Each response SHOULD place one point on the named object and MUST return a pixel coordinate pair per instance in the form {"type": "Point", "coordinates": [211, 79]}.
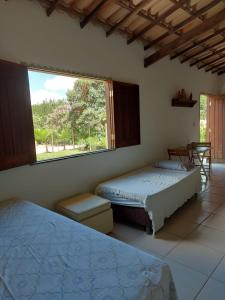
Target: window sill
{"type": "Point", "coordinates": [71, 156]}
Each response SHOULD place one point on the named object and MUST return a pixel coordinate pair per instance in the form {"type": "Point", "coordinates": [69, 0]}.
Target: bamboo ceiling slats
{"type": "Point", "coordinates": [191, 30]}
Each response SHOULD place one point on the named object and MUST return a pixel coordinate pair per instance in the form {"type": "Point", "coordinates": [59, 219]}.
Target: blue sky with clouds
{"type": "Point", "coordinates": [44, 86]}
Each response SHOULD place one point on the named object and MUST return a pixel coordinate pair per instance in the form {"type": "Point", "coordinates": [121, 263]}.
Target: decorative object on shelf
{"type": "Point", "coordinates": [182, 100]}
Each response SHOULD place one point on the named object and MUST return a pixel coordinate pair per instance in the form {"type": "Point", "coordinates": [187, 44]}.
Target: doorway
{"type": "Point", "coordinates": [212, 124]}
{"type": "Point", "coordinates": [203, 118]}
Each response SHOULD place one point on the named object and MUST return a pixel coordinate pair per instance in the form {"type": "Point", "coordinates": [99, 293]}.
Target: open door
{"type": "Point", "coordinates": [216, 125]}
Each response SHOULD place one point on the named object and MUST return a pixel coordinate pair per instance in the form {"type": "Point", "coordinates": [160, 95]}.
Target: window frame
{"type": "Point", "coordinates": [109, 109]}
{"type": "Point", "coordinates": [44, 161]}
{"type": "Point", "coordinates": [112, 142]}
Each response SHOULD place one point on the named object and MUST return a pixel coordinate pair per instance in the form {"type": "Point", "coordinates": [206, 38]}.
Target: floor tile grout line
{"type": "Point", "coordinates": [184, 238]}
{"type": "Point", "coordinates": [209, 277]}
{"type": "Point", "coordinates": [219, 280]}
{"type": "Point", "coordinates": [181, 239]}
{"type": "Point", "coordinates": [212, 249]}
{"type": "Point", "coordinates": [214, 193]}
{"type": "Point", "coordinates": [208, 226]}
{"type": "Point", "coordinates": [204, 196]}
{"type": "Point", "coordinates": [183, 264]}
{"type": "Point", "coordinates": [206, 246]}
{"type": "Point", "coordinates": [186, 266]}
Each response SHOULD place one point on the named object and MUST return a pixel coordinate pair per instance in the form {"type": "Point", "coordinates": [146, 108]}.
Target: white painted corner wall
{"type": "Point", "coordinates": [222, 84]}
{"type": "Point", "coordinates": [28, 35]}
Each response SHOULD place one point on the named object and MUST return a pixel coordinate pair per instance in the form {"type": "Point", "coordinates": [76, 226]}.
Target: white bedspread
{"type": "Point", "coordinates": [45, 256]}
{"type": "Point", "coordinates": [159, 191]}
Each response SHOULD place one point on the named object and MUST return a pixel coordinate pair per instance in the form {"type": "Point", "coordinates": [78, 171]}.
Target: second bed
{"type": "Point", "coordinates": [151, 194]}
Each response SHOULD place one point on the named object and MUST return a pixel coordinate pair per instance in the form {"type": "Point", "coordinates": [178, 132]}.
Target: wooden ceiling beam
{"type": "Point", "coordinates": [130, 14]}
{"type": "Point", "coordinates": [198, 43]}
{"type": "Point", "coordinates": [158, 19]}
{"type": "Point", "coordinates": [186, 37]}
{"type": "Point", "coordinates": [51, 7]}
{"type": "Point", "coordinates": [211, 62]}
{"type": "Point", "coordinates": [221, 72]}
{"type": "Point", "coordinates": [92, 14]}
{"type": "Point", "coordinates": [215, 66]}
{"type": "Point", "coordinates": [207, 48]}
{"type": "Point", "coordinates": [74, 13]}
{"type": "Point", "coordinates": [195, 15]}
{"type": "Point", "coordinates": [191, 10]}
{"type": "Point", "coordinates": [219, 69]}
{"type": "Point", "coordinates": [145, 15]}
{"type": "Point", "coordinates": [215, 52]}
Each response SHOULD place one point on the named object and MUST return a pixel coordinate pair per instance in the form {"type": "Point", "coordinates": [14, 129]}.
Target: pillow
{"type": "Point", "coordinates": [174, 165]}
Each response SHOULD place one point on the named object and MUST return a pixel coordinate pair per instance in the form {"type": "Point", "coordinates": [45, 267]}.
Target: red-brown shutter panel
{"type": "Point", "coordinates": [17, 144]}
{"type": "Point", "coordinates": [126, 114]}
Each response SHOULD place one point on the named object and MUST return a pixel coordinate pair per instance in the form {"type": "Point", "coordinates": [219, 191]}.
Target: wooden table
{"type": "Point", "coordinates": [200, 154]}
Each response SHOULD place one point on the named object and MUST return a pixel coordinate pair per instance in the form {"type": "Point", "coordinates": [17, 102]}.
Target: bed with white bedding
{"type": "Point", "coordinates": [45, 256]}
{"type": "Point", "coordinates": [159, 191]}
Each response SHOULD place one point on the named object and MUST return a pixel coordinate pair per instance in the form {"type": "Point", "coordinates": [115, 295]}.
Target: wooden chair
{"type": "Point", "coordinates": [181, 153]}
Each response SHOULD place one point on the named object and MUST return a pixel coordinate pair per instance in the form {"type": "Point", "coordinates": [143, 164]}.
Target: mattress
{"type": "Point", "coordinates": [159, 191]}
{"type": "Point", "coordinates": [46, 256]}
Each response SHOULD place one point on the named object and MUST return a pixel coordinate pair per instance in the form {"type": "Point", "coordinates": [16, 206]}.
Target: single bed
{"type": "Point", "coordinates": [44, 256]}
{"type": "Point", "coordinates": [149, 195]}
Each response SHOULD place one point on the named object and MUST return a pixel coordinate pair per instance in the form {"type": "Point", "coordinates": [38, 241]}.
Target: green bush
{"type": "Point", "coordinates": [203, 134]}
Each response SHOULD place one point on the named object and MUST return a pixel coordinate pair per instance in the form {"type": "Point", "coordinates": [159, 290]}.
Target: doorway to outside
{"type": "Point", "coordinates": [212, 124]}
{"type": "Point", "coordinates": [203, 118]}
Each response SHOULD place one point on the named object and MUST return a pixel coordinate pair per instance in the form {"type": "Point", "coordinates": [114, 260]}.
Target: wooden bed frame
{"type": "Point", "coordinates": [136, 215]}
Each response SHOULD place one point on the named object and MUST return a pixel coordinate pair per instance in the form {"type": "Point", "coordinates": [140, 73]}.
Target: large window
{"type": "Point", "coordinates": [69, 114]}
{"type": "Point", "coordinates": [44, 115]}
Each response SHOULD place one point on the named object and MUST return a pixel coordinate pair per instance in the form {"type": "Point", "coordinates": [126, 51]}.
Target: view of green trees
{"type": "Point", "coordinates": [203, 118]}
{"type": "Point", "coordinates": [72, 125]}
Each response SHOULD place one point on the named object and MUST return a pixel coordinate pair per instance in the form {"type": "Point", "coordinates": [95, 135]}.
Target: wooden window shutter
{"type": "Point", "coordinates": [126, 114]}
{"type": "Point", "coordinates": [17, 144]}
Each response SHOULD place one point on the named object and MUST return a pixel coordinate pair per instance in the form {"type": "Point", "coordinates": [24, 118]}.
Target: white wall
{"type": "Point", "coordinates": [27, 35]}
{"type": "Point", "coordinates": [222, 84]}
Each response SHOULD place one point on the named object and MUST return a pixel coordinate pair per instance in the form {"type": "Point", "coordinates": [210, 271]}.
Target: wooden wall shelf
{"type": "Point", "coordinates": [182, 103]}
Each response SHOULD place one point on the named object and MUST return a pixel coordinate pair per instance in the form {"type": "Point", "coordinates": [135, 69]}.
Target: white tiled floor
{"type": "Point", "coordinates": [192, 242]}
